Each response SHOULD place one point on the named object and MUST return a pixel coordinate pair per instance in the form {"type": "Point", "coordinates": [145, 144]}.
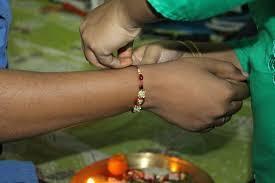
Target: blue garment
{"type": "Point", "coordinates": [11, 171]}
{"type": "Point", "coordinates": [17, 172]}
{"type": "Point", "coordinates": [5, 19]}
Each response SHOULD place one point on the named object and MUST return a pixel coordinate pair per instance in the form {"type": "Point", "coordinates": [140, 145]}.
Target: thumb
{"type": "Point", "coordinates": [109, 61]}
{"type": "Point", "coordinates": [124, 58]}
{"type": "Point", "coordinates": [138, 55]}
{"type": "Point", "coordinates": [147, 54]}
{"type": "Point", "coordinates": [125, 55]}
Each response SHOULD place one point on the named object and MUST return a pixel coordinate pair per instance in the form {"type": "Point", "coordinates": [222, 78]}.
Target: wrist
{"type": "Point", "coordinates": [130, 82]}
{"type": "Point", "coordinates": [150, 85]}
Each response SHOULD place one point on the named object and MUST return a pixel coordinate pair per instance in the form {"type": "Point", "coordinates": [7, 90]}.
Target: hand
{"type": "Point", "coordinates": [159, 52]}
{"type": "Point", "coordinates": [164, 51]}
{"type": "Point", "coordinates": [108, 29]}
{"type": "Point", "coordinates": [195, 95]}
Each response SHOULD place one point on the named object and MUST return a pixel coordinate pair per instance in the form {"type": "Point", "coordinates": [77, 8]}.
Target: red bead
{"type": "Point", "coordinates": [143, 100]}
{"type": "Point", "coordinates": [140, 76]}
{"type": "Point", "coordinates": [136, 101]}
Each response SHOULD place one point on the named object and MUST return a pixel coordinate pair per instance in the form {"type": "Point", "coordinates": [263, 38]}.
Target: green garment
{"type": "Point", "coordinates": [194, 9]}
{"type": "Point", "coordinates": [256, 57]}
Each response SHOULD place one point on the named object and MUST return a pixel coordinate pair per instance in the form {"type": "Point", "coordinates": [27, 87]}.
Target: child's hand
{"type": "Point", "coordinates": [105, 30]}
{"type": "Point", "coordinates": [165, 51]}
{"type": "Point", "coordinates": [159, 52]}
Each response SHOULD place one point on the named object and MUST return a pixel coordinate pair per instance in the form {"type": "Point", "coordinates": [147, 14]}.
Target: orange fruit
{"type": "Point", "coordinates": [117, 165]}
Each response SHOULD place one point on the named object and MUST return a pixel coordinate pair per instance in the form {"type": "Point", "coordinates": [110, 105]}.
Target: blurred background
{"type": "Point", "coordinates": [44, 37]}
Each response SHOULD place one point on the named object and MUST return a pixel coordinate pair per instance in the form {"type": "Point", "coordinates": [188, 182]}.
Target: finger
{"type": "Point", "coordinates": [148, 54]}
{"type": "Point", "coordinates": [225, 70]}
{"type": "Point", "coordinates": [90, 56]}
{"type": "Point", "coordinates": [234, 107]}
{"type": "Point", "coordinates": [221, 121]}
{"type": "Point", "coordinates": [98, 60]}
{"type": "Point", "coordinates": [109, 61]}
{"type": "Point", "coordinates": [207, 129]}
{"type": "Point", "coordinates": [138, 55]}
{"type": "Point", "coordinates": [112, 61]}
{"type": "Point", "coordinates": [240, 90]}
{"type": "Point", "coordinates": [125, 55]}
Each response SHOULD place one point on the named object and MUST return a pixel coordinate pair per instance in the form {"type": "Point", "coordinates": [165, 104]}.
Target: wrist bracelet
{"type": "Point", "coordinates": [141, 93]}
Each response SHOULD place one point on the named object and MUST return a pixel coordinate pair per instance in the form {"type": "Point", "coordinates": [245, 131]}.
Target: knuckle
{"type": "Point", "coordinates": [219, 110]}
{"type": "Point", "coordinates": [91, 48]}
{"type": "Point", "coordinates": [228, 91]}
{"type": "Point", "coordinates": [229, 67]}
{"type": "Point", "coordinates": [84, 37]}
{"type": "Point", "coordinates": [82, 26]}
{"type": "Point", "coordinates": [223, 110]}
{"type": "Point", "coordinates": [88, 57]}
{"type": "Point", "coordinates": [88, 41]}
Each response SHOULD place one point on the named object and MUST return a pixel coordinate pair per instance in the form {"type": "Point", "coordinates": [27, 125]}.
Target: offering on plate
{"type": "Point", "coordinates": [142, 168]}
{"type": "Point", "coordinates": [143, 176]}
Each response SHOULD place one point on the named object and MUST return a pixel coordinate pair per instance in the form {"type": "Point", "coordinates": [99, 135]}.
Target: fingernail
{"type": "Point", "coordinates": [245, 74]}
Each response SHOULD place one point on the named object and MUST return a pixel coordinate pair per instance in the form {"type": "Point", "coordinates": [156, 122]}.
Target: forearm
{"type": "Point", "coordinates": [36, 103]}
{"type": "Point", "coordinates": [139, 11]}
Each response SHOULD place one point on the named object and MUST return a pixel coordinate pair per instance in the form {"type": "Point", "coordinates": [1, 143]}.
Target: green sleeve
{"type": "Point", "coordinates": [190, 10]}
{"type": "Point", "coordinates": [243, 50]}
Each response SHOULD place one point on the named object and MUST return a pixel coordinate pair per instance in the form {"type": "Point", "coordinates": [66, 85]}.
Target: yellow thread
{"type": "Point", "coordinates": [195, 46]}
{"type": "Point", "coordinates": [187, 46]}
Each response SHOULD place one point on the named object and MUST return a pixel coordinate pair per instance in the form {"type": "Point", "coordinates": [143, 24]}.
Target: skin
{"type": "Point", "coordinates": [36, 103]}
{"type": "Point", "coordinates": [165, 51]}
{"type": "Point", "coordinates": [113, 27]}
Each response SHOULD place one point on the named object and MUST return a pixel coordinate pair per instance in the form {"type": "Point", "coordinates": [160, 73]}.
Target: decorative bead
{"type": "Point", "coordinates": [136, 109]}
{"type": "Point", "coordinates": [141, 94]}
{"type": "Point", "coordinates": [140, 101]}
